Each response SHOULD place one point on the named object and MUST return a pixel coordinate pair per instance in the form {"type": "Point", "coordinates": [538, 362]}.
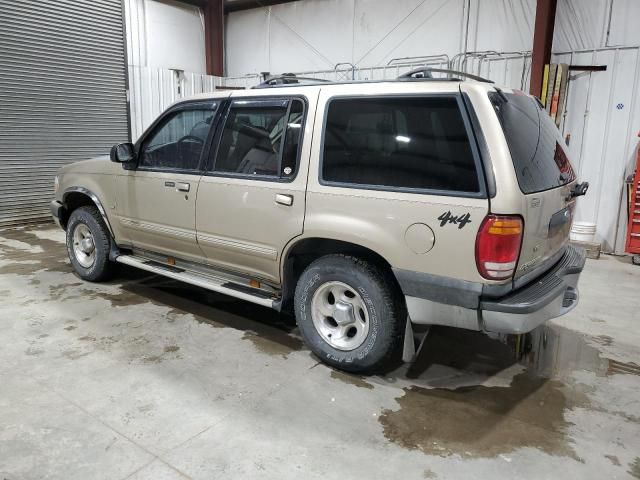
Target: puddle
{"type": "Point", "coordinates": [549, 351]}
{"type": "Point", "coordinates": [480, 421]}
{"type": "Point", "coordinates": [460, 412]}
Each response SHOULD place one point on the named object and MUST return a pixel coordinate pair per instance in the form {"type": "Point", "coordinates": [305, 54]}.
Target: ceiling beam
{"type": "Point", "coordinates": [237, 5]}
{"type": "Point", "coordinates": [196, 3]}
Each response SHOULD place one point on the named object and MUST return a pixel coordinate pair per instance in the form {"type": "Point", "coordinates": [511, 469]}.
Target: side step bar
{"type": "Point", "coordinates": [196, 279]}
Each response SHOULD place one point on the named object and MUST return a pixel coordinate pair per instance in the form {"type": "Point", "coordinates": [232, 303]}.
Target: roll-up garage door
{"type": "Point", "coordinates": [62, 95]}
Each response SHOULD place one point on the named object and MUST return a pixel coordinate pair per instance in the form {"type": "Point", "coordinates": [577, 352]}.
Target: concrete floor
{"type": "Point", "coordinates": [145, 378]}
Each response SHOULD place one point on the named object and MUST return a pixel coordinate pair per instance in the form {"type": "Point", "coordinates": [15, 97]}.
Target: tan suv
{"type": "Point", "coordinates": [367, 208]}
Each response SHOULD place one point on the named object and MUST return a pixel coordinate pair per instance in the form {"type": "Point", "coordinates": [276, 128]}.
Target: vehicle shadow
{"type": "Point", "coordinates": [462, 350]}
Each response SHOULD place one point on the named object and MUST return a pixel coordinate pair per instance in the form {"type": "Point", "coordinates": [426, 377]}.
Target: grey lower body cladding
{"type": "Point", "coordinates": [461, 304]}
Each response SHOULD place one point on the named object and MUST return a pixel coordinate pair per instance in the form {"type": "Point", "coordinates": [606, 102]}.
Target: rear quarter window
{"type": "Point", "coordinates": [536, 146]}
{"type": "Point", "coordinates": [399, 143]}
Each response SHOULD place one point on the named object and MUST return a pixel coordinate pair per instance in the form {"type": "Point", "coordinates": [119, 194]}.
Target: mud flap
{"type": "Point", "coordinates": [409, 351]}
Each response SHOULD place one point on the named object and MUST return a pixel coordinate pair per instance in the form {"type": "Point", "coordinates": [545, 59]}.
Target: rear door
{"type": "Point", "coordinates": [158, 199]}
{"type": "Point", "coordinates": [251, 201]}
{"type": "Point", "coordinates": [544, 175]}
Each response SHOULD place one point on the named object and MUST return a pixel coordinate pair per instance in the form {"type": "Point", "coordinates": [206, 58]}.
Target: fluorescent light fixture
{"type": "Point", "coordinates": [402, 138]}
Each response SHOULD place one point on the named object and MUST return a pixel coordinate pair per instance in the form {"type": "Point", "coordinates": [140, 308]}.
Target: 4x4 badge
{"type": "Point", "coordinates": [460, 220]}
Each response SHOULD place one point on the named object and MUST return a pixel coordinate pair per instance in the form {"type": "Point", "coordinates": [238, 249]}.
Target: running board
{"type": "Point", "coordinates": [192, 278]}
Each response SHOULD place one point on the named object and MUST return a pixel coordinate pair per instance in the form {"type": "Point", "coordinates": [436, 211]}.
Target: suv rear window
{"type": "Point", "coordinates": [537, 149]}
{"type": "Point", "coordinates": [399, 142]}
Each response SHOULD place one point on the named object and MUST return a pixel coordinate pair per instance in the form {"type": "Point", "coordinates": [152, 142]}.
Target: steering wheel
{"type": "Point", "coordinates": [191, 138]}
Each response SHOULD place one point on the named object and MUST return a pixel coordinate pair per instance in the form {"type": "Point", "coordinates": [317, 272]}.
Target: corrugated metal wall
{"type": "Point", "coordinates": [62, 95]}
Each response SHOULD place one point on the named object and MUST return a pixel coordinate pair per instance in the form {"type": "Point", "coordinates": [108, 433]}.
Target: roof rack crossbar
{"type": "Point", "coordinates": [289, 79]}
{"type": "Point", "coordinates": [426, 73]}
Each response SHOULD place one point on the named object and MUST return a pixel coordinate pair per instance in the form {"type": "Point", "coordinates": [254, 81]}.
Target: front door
{"type": "Point", "coordinates": [251, 201]}
{"type": "Point", "coordinates": [159, 198]}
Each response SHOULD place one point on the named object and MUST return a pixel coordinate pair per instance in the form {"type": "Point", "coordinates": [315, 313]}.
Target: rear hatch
{"type": "Point", "coordinates": [545, 176]}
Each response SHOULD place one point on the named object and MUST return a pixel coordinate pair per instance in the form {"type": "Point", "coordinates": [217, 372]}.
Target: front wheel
{"type": "Point", "coordinates": [350, 313]}
{"type": "Point", "coordinates": [88, 244]}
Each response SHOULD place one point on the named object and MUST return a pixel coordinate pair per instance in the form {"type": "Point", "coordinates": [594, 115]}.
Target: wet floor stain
{"type": "Point", "coordinates": [33, 351]}
{"type": "Point", "coordinates": [613, 459]}
{"type": "Point", "coordinates": [625, 368]}
{"type": "Point", "coordinates": [634, 468]}
{"type": "Point", "coordinates": [350, 379]}
{"type": "Point", "coordinates": [604, 340]}
{"type": "Point", "coordinates": [485, 421]}
{"type": "Point", "coordinates": [269, 331]}
{"type": "Point", "coordinates": [477, 420]}
{"type": "Point", "coordinates": [50, 257]}
{"type": "Point", "coordinates": [481, 421]}
{"type": "Point", "coordinates": [74, 353]}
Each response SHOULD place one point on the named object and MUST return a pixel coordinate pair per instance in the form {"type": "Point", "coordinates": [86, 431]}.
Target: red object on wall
{"type": "Point", "coordinates": [633, 229]}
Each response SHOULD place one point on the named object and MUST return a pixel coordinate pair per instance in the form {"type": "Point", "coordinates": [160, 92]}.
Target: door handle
{"type": "Point", "coordinates": [183, 187]}
{"type": "Point", "coordinates": [283, 199]}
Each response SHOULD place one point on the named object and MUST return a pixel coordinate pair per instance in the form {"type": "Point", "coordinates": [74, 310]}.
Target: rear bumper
{"type": "Point", "coordinates": [551, 295]}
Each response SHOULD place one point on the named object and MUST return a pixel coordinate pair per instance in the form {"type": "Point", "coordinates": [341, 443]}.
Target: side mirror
{"type": "Point", "coordinates": [123, 153]}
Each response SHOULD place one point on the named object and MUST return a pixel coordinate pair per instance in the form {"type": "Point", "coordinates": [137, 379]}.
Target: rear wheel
{"type": "Point", "coordinates": [88, 244]}
{"type": "Point", "coordinates": [349, 313]}
{"type": "Point", "coordinates": [636, 259]}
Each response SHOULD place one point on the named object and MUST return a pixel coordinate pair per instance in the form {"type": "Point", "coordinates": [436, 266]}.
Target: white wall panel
{"type": "Point", "coordinates": [625, 23]}
{"type": "Point", "coordinates": [135, 21]}
{"type": "Point", "coordinates": [175, 36]}
{"type": "Point", "coordinates": [603, 117]}
{"type": "Point", "coordinates": [317, 34]}
{"type": "Point", "coordinates": [165, 34]}
{"type": "Point", "coordinates": [247, 42]}
{"type": "Point", "coordinates": [404, 28]}
{"type": "Point", "coordinates": [502, 25]}
{"type": "Point", "coordinates": [310, 35]}
{"type": "Point", "coordinates": [580, 24]}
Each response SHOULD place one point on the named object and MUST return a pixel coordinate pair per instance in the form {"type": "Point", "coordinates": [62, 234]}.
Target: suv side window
{"type": "Point", "coordinates": [261, 138]}
{"type": "Point", "coordinates": [178, 141]}
{"type": "Point", "coordinates": [399, 143]}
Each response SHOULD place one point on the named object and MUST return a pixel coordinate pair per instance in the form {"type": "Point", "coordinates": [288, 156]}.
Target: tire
{"type": "Point", "coordinates": [86, 222]}
{"type": "Point", "coordinates": [359, 289]}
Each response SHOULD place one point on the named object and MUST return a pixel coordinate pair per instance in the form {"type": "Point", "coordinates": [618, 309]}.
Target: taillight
{"type": "Point", "coordinates": [498, 246]}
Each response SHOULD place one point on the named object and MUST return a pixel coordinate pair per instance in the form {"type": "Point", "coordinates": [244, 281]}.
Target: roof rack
{"type": "Point", "coordinates": [289, 79]}
{"type": "Point", "coordinates": [420, 73]}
